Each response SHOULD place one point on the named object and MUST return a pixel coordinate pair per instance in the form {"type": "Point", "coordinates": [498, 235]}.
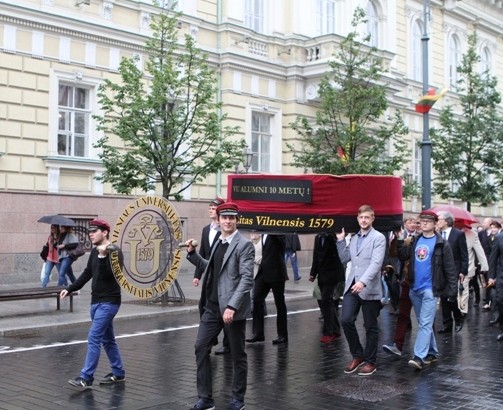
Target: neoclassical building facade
{"type": "Point", "coordinates": [269, 56]}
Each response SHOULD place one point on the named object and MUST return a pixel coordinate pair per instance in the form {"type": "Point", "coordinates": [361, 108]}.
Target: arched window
{"type": "Point", "coordinates": [373, 24]}
{"type": "Point", "coordinates": [417, 51]}
{"type": "Point", "coordinates": [454, 59]}
{"type": "Point", "coordinates": [485, 61]}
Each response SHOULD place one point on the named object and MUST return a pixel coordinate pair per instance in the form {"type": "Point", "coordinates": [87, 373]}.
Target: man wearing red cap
{"type": "Point", "coordinates": [227, 281]}
{"type": "Point", "coordinates": [431, 273]}
{"type": "Point", "coordinates": [209, 235]}
{"type": "Point", "coordinates": [105, 303]}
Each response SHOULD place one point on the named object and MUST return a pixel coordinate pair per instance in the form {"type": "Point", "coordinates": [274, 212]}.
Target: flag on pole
{"type": "Point", "coordinates": [426, 101]}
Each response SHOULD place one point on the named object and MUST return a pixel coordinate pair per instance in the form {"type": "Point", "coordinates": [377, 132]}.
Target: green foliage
{"type": "Point", "coordinates": [349, 134]}
{"type": "Point", "coordinates": [468, 144]}
{"type": "Point", "coordinates": [166, 117]}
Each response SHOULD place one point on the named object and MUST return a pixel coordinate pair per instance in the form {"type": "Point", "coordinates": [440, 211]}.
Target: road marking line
{"type": "Point", "coordinates": [123, 336]}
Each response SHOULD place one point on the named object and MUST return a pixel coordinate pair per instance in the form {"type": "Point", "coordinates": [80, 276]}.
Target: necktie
{"type": "Point", "coordinates": [444, 235]}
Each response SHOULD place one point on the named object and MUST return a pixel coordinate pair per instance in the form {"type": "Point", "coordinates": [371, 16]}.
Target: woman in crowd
{"type": "Point", "coordinates": [67, 241]}
{"type": "Point", "coordinates": [52, 257]}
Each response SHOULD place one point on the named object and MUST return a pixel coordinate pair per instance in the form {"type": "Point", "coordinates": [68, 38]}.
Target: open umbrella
{"type": "Point", "coordinates": [462, 216]}
{"type": "Point", "coordinates": [56, 220]}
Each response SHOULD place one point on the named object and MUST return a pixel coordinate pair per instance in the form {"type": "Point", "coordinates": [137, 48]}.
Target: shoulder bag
{"type": "Point", "coordinates": [77, 252]}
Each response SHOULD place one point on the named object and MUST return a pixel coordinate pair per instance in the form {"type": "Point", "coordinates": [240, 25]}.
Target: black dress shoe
{"type": "Point", "coordinates": [458, 328]}
{"type": "Point", "coordinates": [280, 341]}
{"type": "Point", "coordinates": [500, 337]}
{"type": "Point", "coordinates": [223, 350]}
{"type": "Point", "coordinates": [445, 329]}
{"type": "Point", "coordinates": [255, 339]}
{"type": "Point", "coordinates": [493, 322]}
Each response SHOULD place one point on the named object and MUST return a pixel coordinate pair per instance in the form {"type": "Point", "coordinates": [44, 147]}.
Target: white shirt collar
{"type": "Point", "coordinates": [229, 238]}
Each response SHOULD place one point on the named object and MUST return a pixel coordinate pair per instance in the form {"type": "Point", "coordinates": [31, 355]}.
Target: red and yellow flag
{"type": "Point", "coordinates": [426, 102]}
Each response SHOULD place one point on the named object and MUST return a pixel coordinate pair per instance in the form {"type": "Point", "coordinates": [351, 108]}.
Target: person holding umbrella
{"type": "Point", "coordinates": [67, 241]}
{"type": "Point", "coordinates": [52, 259]}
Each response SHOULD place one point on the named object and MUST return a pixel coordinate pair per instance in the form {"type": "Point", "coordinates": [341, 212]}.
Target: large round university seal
{"type": "Point", "coordinates": [148, 232]}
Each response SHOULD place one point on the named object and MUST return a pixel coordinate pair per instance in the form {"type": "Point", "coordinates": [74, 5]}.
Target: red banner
{"type": "Point", "coordinates": [308, 203]}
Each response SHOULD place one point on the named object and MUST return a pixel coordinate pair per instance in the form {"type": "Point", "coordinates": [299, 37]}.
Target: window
{"type": "Point", "coordinates": [261, 142]}
{"type": "Point", "coordinates": [373, 24]}
{"type": "Point", "coordinates": [73, 120]}
{"type": "Point", "coordinates": [454, 59]}
{"type": "Point", "coordinates": [417, 51]}
{"type": "Point", "coordinates": [325, 16]}
{"type": "Point", "coordinates": [485, 61]}
{"type": "Point", "coordinates": [254, 15]}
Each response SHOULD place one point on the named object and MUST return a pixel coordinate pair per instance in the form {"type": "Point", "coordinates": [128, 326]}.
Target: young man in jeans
{"type": "Point", "coordinates": [105, 303]}
{"type": "Point", "coordinates": [431, 274]}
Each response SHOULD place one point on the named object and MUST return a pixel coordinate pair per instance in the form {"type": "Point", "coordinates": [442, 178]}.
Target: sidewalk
{"type": "Point", "coordinates": [29, 316]}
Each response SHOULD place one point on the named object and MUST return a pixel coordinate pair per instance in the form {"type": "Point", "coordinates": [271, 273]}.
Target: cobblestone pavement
{"type": "Point", "coordinates": [159, 358]}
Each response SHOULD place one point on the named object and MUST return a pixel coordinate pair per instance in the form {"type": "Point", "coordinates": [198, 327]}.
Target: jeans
{"type": "Point", "coordinates": [102, 333]}
{"type": "Point", "coordinates": [351, 305]}
{"type": "Point", "coordinates": [65, 269]}
{"type": "Point", "coordinates": [48, 269]}
{"type": "Point", "coordinates": [293, 259]}
{"type": "Point", "coordinates": [425, 305]}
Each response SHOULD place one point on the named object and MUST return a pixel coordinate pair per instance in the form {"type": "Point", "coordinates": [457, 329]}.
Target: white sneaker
{"type": "Point", "coordinates": [391, 348]}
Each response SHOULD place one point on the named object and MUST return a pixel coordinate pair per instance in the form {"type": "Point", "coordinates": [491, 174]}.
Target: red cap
{"type": "Point", "coordinates": [228, 208]}
{"type": "Point", "coordinates": [99, 224]}
{"type": "Point", "coordinates": [217, 201]}
{"type": "Point", "coordinates": [428, 215]}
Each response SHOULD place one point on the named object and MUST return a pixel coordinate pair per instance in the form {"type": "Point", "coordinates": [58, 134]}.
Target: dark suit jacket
{"type": "Point", "coordinates": [292, 243]}
{"type": "Point", "coordinates": [457, 240]}
{"type": "Point", "coordinates": [486, 241]}
{"type": "Point", "coordinates": [235, 279]}
{"type": "Point", "coordinates": [273, 268]}
{"type": "Point", "coordinates": [327, 265]}
{"type": "Point", "coordinates": [205, 248]}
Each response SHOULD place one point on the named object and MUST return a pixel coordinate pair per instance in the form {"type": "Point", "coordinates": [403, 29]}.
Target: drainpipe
{"type": "Point", "coordinates": [218, 187]}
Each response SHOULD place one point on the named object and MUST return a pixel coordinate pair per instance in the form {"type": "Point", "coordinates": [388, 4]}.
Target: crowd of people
{"type": "Point", "coordinates": [427, 261]}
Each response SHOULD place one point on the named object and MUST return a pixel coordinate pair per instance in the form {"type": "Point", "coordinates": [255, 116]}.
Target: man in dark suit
{"type": "Point", "coordinates": [210, 234]}
{"type": "Point", "coordinates": [329, 270]}
{"type": "Point", "coordinates": [271, 275]}
{"type": "Point", "coordinates": [227, 281]}
{"type": "Point", "coordinates": [457, 241]}
{"type": "Point", "coordinates": [495, 278]}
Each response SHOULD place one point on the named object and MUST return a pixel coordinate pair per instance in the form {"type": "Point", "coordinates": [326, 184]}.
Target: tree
{"type": "Point", "coordinates": [467, 146]}
{"type": "Point", "coordinates": [166, 117]}
{"type": "Point", "coordinates": [348, 135]}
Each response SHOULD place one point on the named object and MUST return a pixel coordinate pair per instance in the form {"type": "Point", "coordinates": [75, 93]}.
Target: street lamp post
{"type": "Point", "coordinates": [426, 142]}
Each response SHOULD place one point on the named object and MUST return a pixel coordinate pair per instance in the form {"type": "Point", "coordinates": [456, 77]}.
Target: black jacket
{"type": "Point", "coordinates": [327, 265]}
{"type": "Point", "coordinates": [444, 275]}
{"type": "Point", "coordinates": [205, 247]}
{"type": "Point", "coordinates": [272, 269]}
{"type": "Point", "coordinates": [104, 286]}
{"type": "Point", "coordinates": [292, 243]}
{"type": "Point", "coordinates": [457, 241]}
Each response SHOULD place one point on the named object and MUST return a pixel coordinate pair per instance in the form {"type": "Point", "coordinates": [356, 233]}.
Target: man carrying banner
{"type": "Point", "coordinates": [227, 281]}
{"type": "Point", "coordinates": [363, 289]}
{"type": "Point", "coordinates": [105, 303]}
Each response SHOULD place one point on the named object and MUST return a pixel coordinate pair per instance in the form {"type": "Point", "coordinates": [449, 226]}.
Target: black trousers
{"type": "Point", "coordinates": [210, 326]}
{"type": "Point", "coordinates": [331, 323]}
{"type": "Point", "coordinates": [450, 310]}
{"type": "Point", "coordinates": [260, 291]}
